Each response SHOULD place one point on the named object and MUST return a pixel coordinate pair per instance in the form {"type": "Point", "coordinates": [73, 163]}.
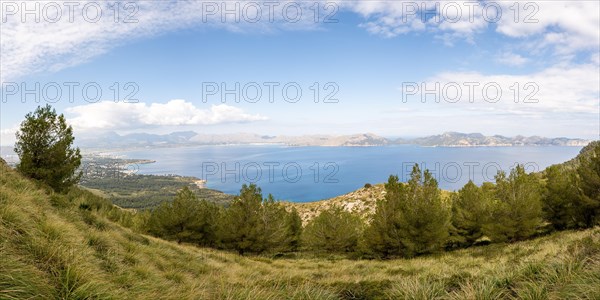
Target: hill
{"type": "Point", "coordinates": [457, 139]}
{"type": "Point", "coordinates": [112, 140]}
{"type": "Point", "coordinates": [73, 247]}
{"type": "Point", "coordinates": [584, 153]}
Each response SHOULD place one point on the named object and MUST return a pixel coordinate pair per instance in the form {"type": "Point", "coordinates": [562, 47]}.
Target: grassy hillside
{"type": "Point", "coordinates": [52, 246]}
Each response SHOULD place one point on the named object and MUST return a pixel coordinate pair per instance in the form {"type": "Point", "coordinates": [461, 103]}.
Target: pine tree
{"type": "Point", "coordinates": [428, 217]}
{"type": "Point", "coordinates": [470, 209]}
{"type": "Point", "coordinates": [333, 230]}
{"type": "Point", "coordinates": [384, 237]}
{"type": "Point", "coordinates": [560, 201]}
{"type": "Point", "coordinates": [411, 220]}
{"type": "Point", "coordinates": [294, 225]}
{"type": "Point", "coordinates": [589, 178]}
{"type": "Point", "coordinates": [240, 230]}
{"type": "Point", "coordinates": [517, 209]}
{"type": "Point", "coordinates": [256, 225]}
{"type": "Point", "coordinates": [44, 145]}
{"type": "Point", "coordinates": [186, 219]}
{"type": "Point", "coordinates": [276, 233]}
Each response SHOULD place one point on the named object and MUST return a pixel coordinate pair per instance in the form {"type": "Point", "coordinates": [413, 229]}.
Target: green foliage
{"type": "Point", "coordinates": [571, 195]}
{"type": "Point", "coordinates": [470, 212]}
{"type": "Point", "coordinates": [333, 230]}
{"type": "Point", "coordinates": [253, 224]}
{"type": "Point", "coordinates": [368, 185]}
{"type": "Point", "coordinates": [294, 223]}
{"type": "Point", "coordinates": [50, 252]}
{"type": "Point", "coordinates": [44, 145]}
{"type": "Point", "coordinates": [589, 175]}
{"type": "Point", "coordinates": [561, 199]}
{"type": "Point", "coordinates": [186, 219]}
{"type": "Point", "coordinates": [149, 191]}
{"type": "Point", "coordinates": [517, 210]}
{"type": "Point", "coordinates": [411, 220]}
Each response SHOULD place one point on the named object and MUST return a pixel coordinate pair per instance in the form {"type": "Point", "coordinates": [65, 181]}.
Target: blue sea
{"type": "Point", "coordinates": [303, 174]}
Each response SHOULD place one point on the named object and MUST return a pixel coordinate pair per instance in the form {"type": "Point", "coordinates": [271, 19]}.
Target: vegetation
{"type": "Point", "coordinates": [411, 220]}
{"type": "Point", "coordinates": [256, 225]}
{"type": "Point", "coordinates": [589, 179]}
{"type": "Point", "coordinates": [44, 145]}
{"type": "Point", "coordinates": [59, 241]}
{"type": "Point", "coordinates": [561, 204]}
{"type": "Point", "coordinates": [186, 220]}
{"type": "Point", "coordinates": [517, 209]}
{"type": "Point", "coordinates": [571, 197]}
{"type": "Point", "coordinates": [334, 230]}
{"type": "Point", "coordinates": [61, 246]}
{"type": "Point", "coordinates": [149, 191]}
{"type": "Point", "coordinates": [470, 212]}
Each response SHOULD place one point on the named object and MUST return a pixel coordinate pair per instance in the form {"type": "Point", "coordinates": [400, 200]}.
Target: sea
{"type": "Point", "coordinates": [304, 174]}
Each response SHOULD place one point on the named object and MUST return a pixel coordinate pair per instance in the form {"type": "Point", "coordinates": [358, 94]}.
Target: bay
{"type": "Point", "coordinates": [303, 174]}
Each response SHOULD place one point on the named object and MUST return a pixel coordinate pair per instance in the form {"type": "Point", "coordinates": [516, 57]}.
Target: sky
{"type": "Point", "coordinates": [393, 68]}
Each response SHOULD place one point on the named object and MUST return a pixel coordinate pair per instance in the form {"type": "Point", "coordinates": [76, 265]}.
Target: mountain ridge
{"type": "Point", "coordinates": [191, 138]}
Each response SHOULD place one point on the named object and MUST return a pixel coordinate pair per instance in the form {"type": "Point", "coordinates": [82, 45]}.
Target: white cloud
{"type": "Point", "coordinates": [7, 136]}
{"type": "Point", "coordinates": [29, 47]}
{"type": "Point", "coordinates": [511, 59]}
{"type": "Point", "coordinates": [566, 26]}
{"type": "Point", "coordinates": [114, 116]}
{"type": "Point", "coordinates": [566, 90]}
{"type": "Point", "coordinates": [41, 46]}
{"type": "Point", "coordinates": [393, 18]}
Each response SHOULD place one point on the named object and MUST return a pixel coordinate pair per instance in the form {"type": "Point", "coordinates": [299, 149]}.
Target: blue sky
{"type": "Point", "coordinates": [367, 56]}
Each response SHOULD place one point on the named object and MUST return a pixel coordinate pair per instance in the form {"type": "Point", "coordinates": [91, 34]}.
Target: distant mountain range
{"type": "Point", "coordinates": [186, 138]}
{"type": "Point", "coordinates": [457, 139]}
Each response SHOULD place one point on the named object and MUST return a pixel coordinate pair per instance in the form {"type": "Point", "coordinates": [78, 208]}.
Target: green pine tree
{"type": "Point", "coordinates": [411, 220]}
{"type": "Point", "coordinates": [294, 225]}
{"type": "Point", "coordinates": [589, 178]}
{"type": "Point", "coordinates": [517, 210]}
{"type": "Point", "coordinates": [45, 148]}
{"type": "Point", "coordinates": [560, 199]}
{"type": "Point", "coordinates": [470, 209]}
{"type": "Point", "coordinates": [253, 224]}
{"type": "Point", "coordinates": [186, 219]}
{"type": "Point", "coordinates": [333, 230]}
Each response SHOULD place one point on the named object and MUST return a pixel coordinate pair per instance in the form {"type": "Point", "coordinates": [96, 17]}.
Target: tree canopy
{"type": "Point", "coordinates": [45, 148]}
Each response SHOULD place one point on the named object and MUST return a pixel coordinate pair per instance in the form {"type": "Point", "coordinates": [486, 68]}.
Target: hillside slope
{"type": "Point", "coordinates": [61, 247]}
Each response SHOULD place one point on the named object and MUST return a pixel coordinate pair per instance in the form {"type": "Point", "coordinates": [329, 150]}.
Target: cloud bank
{"type": "Point", "coordinates": [127, 116]}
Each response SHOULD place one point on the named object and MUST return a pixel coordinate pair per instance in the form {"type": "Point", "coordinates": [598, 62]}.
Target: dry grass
{"type": "Point", "coordinates": [49, 249]}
